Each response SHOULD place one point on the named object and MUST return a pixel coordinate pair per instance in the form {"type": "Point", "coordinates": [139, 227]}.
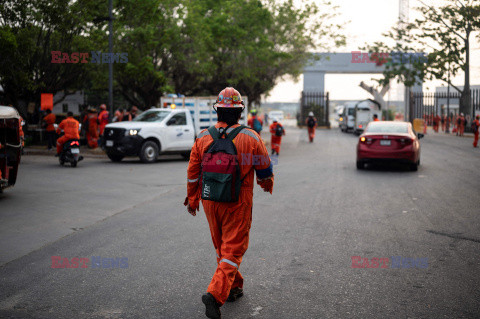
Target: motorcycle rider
{"type": "Point", "coordinates": [70, 127]}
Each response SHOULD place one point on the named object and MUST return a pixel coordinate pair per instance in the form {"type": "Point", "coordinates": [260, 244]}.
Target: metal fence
{"type": "Point", "coordinates": [318, 103]}
{"type": "Point", "coordinates": [428, 105]}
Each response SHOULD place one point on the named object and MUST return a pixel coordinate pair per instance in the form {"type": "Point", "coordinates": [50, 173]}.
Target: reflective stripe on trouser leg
{"type": "Point", "coordinates": [224, 260]}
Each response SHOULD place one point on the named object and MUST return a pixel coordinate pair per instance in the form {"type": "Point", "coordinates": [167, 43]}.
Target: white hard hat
{"type": "Point", "coordinates": [310, 114]}
{"type": "Point", "coordinates": [461, 114]}
{"type": "Point", "coordinates": [274, 119]}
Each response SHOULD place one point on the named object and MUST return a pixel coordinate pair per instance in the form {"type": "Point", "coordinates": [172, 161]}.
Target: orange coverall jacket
{"type": "Point", "coordinates": [276, 141]}
{"type": "Point", "coordinates": [50, 119]}
{"type": "Point", "coordinates": [70, 127]}
{"type": "Point", "coordinates": [230, 222]}
{"type": "Point", "coordinates": [103, 121]}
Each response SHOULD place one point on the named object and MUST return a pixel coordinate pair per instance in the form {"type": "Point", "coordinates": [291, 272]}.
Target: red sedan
{"type": "Point", "coordinates": [384, 141]}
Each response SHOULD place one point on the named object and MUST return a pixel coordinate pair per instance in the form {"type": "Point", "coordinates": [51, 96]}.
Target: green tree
{"type": "Point", "coordinates": [444, 32]}
{"type": "Point", "coordinates": [29, 31]}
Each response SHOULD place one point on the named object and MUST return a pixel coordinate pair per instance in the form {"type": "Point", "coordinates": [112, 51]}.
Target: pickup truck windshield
{"type": "Point", "coordinates": [152, 116]}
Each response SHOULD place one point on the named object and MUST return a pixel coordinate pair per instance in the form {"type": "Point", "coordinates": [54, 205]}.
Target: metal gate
{"type": "Point", "coordinates": [428, 105]}
{"type": "Point", "coordinates": [318, 103]}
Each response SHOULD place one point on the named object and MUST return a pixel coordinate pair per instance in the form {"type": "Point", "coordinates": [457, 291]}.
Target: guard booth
{"type": "Point", "coordinates": [318, 103]}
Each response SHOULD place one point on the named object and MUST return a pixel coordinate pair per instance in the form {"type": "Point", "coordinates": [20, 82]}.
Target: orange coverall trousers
{"type": "Point", "coordinates": [230, 245]}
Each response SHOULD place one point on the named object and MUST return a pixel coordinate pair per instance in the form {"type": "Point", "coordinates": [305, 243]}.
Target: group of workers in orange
{"type": "Point", "coordinates": [93, 124]}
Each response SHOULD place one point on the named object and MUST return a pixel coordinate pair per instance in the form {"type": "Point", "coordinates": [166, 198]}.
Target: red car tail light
{"type": "Point", "coordinates": [362, 139]}
{"type": "Point", "coordinates": [406, 141]}
{"type": "Point", "coordinates": [365, 140]}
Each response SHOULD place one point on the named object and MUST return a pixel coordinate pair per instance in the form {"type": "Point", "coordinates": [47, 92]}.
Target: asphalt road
{"type": "Point", "coordinates": [299, 263]}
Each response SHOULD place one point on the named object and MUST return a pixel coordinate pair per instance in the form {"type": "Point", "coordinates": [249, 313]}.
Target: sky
{"type": "Point", "coordinates": [368, 20]}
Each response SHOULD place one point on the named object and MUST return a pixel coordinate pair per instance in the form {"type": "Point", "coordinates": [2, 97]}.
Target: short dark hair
{"type": "Point", "coordinates": [70, 113]}
{"type": "Point", "coordinates": [49, 111]}
{"type": "Point", "coordinates": [229, 115]}
{"type": "Point", "coordinates": [375, 116]}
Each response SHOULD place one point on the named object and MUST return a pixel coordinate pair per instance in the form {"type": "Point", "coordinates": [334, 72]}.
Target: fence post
{"type": "Point", "coordinates": [327, 113]}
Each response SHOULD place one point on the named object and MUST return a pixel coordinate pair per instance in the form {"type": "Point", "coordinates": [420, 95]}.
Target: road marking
{"type": "Point", "coordinates": [256, 311]}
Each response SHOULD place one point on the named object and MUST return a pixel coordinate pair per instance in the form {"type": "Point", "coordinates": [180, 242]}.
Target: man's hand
{"type": "Point", "coordinates": [191, 210]}
{"type": "Point", "coordinates": [266, 184]}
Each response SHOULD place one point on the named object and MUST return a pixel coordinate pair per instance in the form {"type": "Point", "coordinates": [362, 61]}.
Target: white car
{"type": "Point", "coordinates": [278, 114]}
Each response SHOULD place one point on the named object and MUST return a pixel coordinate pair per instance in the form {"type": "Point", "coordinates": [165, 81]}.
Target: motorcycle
{"type": "Point", "coordinates": [71, 153]}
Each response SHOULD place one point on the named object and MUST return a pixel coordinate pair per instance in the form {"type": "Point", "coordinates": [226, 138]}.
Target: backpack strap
{"type": "Point", "coordinates": [235, 132]}
{"type": "Point", "coordinates": [214, 133]}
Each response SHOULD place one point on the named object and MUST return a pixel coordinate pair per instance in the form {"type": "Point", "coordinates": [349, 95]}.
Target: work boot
{"type": "Point", "coordinates": [212, 308]}
{"type": "Point", "coordinates": [235, 293]}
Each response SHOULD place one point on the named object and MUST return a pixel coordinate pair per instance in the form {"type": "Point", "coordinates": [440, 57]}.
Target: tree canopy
{"type": "Point", "coordinates": [444, 33]}
{"type": "Point", "coordinates": [192, 47]}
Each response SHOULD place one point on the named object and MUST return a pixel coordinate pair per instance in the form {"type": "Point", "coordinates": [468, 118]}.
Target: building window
{"type": "Point", "coordinates": [65, 108]}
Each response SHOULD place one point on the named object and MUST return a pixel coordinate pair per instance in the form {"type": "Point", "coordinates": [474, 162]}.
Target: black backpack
{"type": "Point", "coordinates": [221, 178]}
{"type": "Point", "coordinates": [311, 122]}
{"type": "Point", "coordinates": [474, 127]}
{"type": "Point", "coordinates": [279, 130]}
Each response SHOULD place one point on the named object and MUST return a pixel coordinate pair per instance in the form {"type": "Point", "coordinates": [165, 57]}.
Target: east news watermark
{"type": "Point", "coordinates": [381, 58]}
{"type": "Point", "coordinates": [97, 262]}
{"type": "Point", "coordinates": [84, 57]}
{"type": "Point", "coordinates": [389, 262]}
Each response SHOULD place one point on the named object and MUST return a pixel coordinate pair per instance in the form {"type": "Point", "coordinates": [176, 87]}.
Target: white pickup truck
{"type": "Point", "coordinates": [171, 129]}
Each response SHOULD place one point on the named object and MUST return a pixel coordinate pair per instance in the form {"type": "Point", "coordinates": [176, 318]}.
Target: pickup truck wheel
{"type": "Point", "coordinates": [149, 152]}
{"type": "Point", "coordinates": [115, 157]}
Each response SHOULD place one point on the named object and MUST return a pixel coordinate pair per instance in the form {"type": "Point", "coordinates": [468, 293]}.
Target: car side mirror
{"type": "Point", "coordinates": [420, 135]}
{"type": "Point", "coordinates": [171, 121]}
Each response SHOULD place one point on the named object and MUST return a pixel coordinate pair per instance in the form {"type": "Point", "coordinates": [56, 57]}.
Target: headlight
{"type": "Point", "coordinates": [132, 132]}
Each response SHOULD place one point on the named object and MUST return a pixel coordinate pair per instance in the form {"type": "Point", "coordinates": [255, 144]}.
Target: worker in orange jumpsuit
{"type": "Point", "coordinates": [461, 124]}
{"type": "Point", "coordinates": [436, 123]}
{"type": "Point", "coordinates": [49, 121]}
{"type": "Point", "coordinates": [375, 118]}
{"type": "Point", "coordinates": [102, 118]}
{"type": "Point", "coordinates": [70, 127]}
{"type": "Point", "coordinates": [276, 140]}
{"type": "Point", "coordinates": [476, 129]}
{"type": "Point", "coordinates": [229, 221]}
{"type": "Point", "coordinates": [255, 122]}
{"type": "Point", "coordinates": [91, 123]}
{"type": "Point", "coordinates": [311, 123]}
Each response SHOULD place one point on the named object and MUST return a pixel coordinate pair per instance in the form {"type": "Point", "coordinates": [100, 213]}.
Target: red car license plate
{"type": "Point", "coordinates": [385, 142]}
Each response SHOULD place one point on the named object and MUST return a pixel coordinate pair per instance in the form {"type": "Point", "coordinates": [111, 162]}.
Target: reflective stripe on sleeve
{"type": "Point", "coordinates": [229, 262]}
{"type": "Point", "coordinates": [202, 134]}
{"type": "Point", "coordinates": [192, 180]}
{"type": "Point", "coordinates": [248, 132]}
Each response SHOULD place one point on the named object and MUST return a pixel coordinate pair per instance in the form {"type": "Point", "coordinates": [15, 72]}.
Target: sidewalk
{"type": "Point", "coordinates": [84, 151]}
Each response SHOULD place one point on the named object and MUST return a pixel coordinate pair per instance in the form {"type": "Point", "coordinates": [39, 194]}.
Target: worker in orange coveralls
{"type": "Point", "coordinates": [91, 123]}
{"type": "Point", "coordinates": [436, 122]}
{"type": "Point", "coordinates": [70, 127]}
{"type": "Point", "coordinates": [277, 131]}
{"type": "Point", "coordinates": [229, 221]}
{"type": "Point", "coordinates": [476, 129]}
{"type": "Point", "coordinates": [102, 119]}
{"type": "Point", "coordinates": [311, 122]}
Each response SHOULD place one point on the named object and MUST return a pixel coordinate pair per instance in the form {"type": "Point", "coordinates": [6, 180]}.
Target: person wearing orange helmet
{"type": "Point", "coordinates": [277, 131]}
{"type": "Point", "coordinates": [221, 173]}
{"type": "Point", "coordinates": [476, 129]}
{"type": "Point", "coordinates": [70, 127]}
{"type": "Point", "coordinates": [102, 119]}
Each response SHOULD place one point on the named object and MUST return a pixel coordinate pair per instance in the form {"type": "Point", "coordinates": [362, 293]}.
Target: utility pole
{"type": "Point", "coordinates": [448, 101]}
{"type": "Point", "coordinates": [110, 51]}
